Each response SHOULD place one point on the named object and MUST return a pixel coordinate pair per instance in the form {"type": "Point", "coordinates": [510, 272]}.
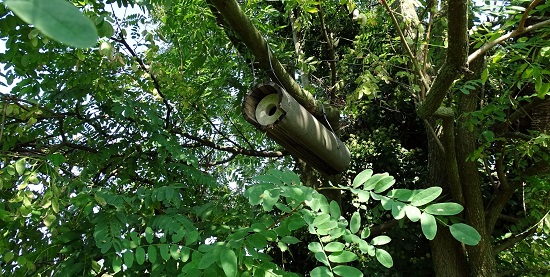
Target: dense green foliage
{"type": "Point", "coordinates": [131, 157]}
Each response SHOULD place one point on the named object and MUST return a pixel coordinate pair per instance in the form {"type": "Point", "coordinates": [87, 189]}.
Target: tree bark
{"type": "Point", "coordinates": [447, 253]}
{"type": "Point", "coordinates": [480, 257]}
{"type": "Point", "coordinates": [455, 61]}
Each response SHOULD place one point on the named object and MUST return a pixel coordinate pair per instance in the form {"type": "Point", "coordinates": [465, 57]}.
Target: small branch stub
{"type": "Point", "coordinates": [271, 109]}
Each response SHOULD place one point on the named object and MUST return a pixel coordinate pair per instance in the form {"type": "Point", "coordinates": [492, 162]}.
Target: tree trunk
{"type": "Point", "coordinates": [447, 253]}
{"type": "Point", "coordinates": [480, 257]}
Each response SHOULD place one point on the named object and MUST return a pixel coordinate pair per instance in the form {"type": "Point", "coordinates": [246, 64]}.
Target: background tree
{"type": "Point", "coordinates": [132, 156]}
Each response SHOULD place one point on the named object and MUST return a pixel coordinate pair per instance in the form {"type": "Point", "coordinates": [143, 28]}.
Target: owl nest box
{"type": "Point", "coordinates": [271, 109]}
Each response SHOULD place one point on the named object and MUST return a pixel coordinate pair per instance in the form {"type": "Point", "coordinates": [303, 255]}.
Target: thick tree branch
{"type": "Point", "coordinates": [479, 262]}
{"type": "Point", "coordinates": [512, 241]}
{"type": "Point", "coordinates": [494, 210]}
{"type": "Point", "coordinates": [455, 61]}
{"type": "Point", "coordinates": [453, 177]}
{"type": "Point", "coordinates": [533, 4]}
{"type": "Point", "coordinates": [259, 47]}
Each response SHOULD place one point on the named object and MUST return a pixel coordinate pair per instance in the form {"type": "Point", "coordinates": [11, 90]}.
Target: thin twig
{"type": "Point", "coordinates": [331, 53]}
{"type": "Point", "coordinates": [239, 131]}
{"type": "Point", "coordinates": [285, 216]}
{"type": "Point", "coordinates": [156, 83]}
{"type": "Point", "coordinates": [409, 51]}
{"type": "Point", "coordinates": [434, 135]}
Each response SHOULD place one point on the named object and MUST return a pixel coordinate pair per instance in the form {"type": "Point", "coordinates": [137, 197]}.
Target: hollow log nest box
{"type": "Point", "coordinates": [271, 109]}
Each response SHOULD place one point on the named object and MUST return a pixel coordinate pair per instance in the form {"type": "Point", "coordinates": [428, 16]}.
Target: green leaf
{"type": "Point", "coordinates": [257, 240]}
{"type": "Point", "coordinates": [164, 252]}
{"type": "Point", "coordinates": [429, 225]}
{"type": "Point", "coordinates": [365, 233]}
{"type": "Point", "coordinates": [191, 237]}
{"type": "Point", "coordinates": [49, 219]}
{"type": "Point", "coordinates": [484, 75]}
{"type": "Point", "coordinates": [489, 135]}
{"type": "Point", "coordinates": [320, 271]}
{"type": "Point", "coordinates": [282, 246]}
{"type": "Point", "coordinates": [8, 257]}
{"type": "Point", "coordinates": [208, 259]}
{"type": "Point", "coordinates": [140, 255]}
{"type": "Point", "coordinates": [444, 209]}
{"type": "Point", "coordinates": [398, 210]}
{"type": "Point", "coordinates": [323, 218]}
{"type": "Point", "coordinates": [268, 179]}
{"type": "Point", "coordinates": [363, 196]}
{"type": "Point", "coordinates": [384, 258]}
{"type": "Point", "coordinates": [380, 240]}
{"type": "Point", "coordinates": [55, 205]}
{"type": "Point", "coordinates": [355, 222]}
{"type": "Point", "coordinates": [362, 177]}
{"type": "Point", "coordinates": [20, 166]}
{"type": "Point", "coordinates": [334, 247]}
{"type": "Point", "coordinates": [56, 159]}
{"type": "Point", "coordinates": [336, 233]}
{"type": "Point", "coordinates": [228, 261]}
{"type": "Point", "coordinates": [178, 236]}
{"type": "Point", "coordinates": [335, 210]}
{"type": "Point", "coordinates": [174, 252]}
{"type": "Point", "coordinates": [315, 247]}
{"type": "Point", "coordinates": [384, 184]}
{"type": "Point", "coordinates": [149, 235]}
{"type": "Point", "coordinates": [364, 246]}
{"type": "Point", "coordinates": [185, 253]}
{"type": "Point", "coordinates": [128, 258]}
{"type": "Point", "coordinates": [327, 226]}
{"type": "Point", "coordinates": [403, 195]}
{"type": "Point", "coordinates": [426, 196]}
{"type": "Point", "coordinates": [290, 240]}
{"type": "Point", "coordinates": [413, 213]}
{"type": "Point", "coordinates": [387, 203]}
{"type": "Point", "coordinates": [117, 264]}
{"type": "Point", "coordinates": [57, 19]}
{"type": "Point", "coordinates": [320, 256]}
{"type": "Point", "coordinates": [373, 182]}
{"type": "Point", "coordinates": [465, 233]}
{"type": "Point", "coordinates": [347, 271]}
{"type": "Point", "coordinates": [269, 199]}
{"type": "Point", "coordinates": [152, 254]}
{"type": "Point", "coordinates": [342, 257]}
{"type": "Point", "coordinates": [311, 9]}
{"type": "Point", "coordinates": [295, 222]}
{"type": "Point", "coordinates": [543, 90]}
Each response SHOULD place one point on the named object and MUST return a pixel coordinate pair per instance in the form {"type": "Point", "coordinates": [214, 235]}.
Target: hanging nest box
{"type": "Point", "coordinates": [271, 109]}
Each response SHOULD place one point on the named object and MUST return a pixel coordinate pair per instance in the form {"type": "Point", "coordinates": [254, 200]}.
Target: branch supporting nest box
{"type": "Point", "coordinates": [271, 109]}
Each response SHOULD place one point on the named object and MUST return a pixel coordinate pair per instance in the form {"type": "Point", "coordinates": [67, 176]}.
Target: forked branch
{"type": "Point", "coordinates": [519, 31]}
